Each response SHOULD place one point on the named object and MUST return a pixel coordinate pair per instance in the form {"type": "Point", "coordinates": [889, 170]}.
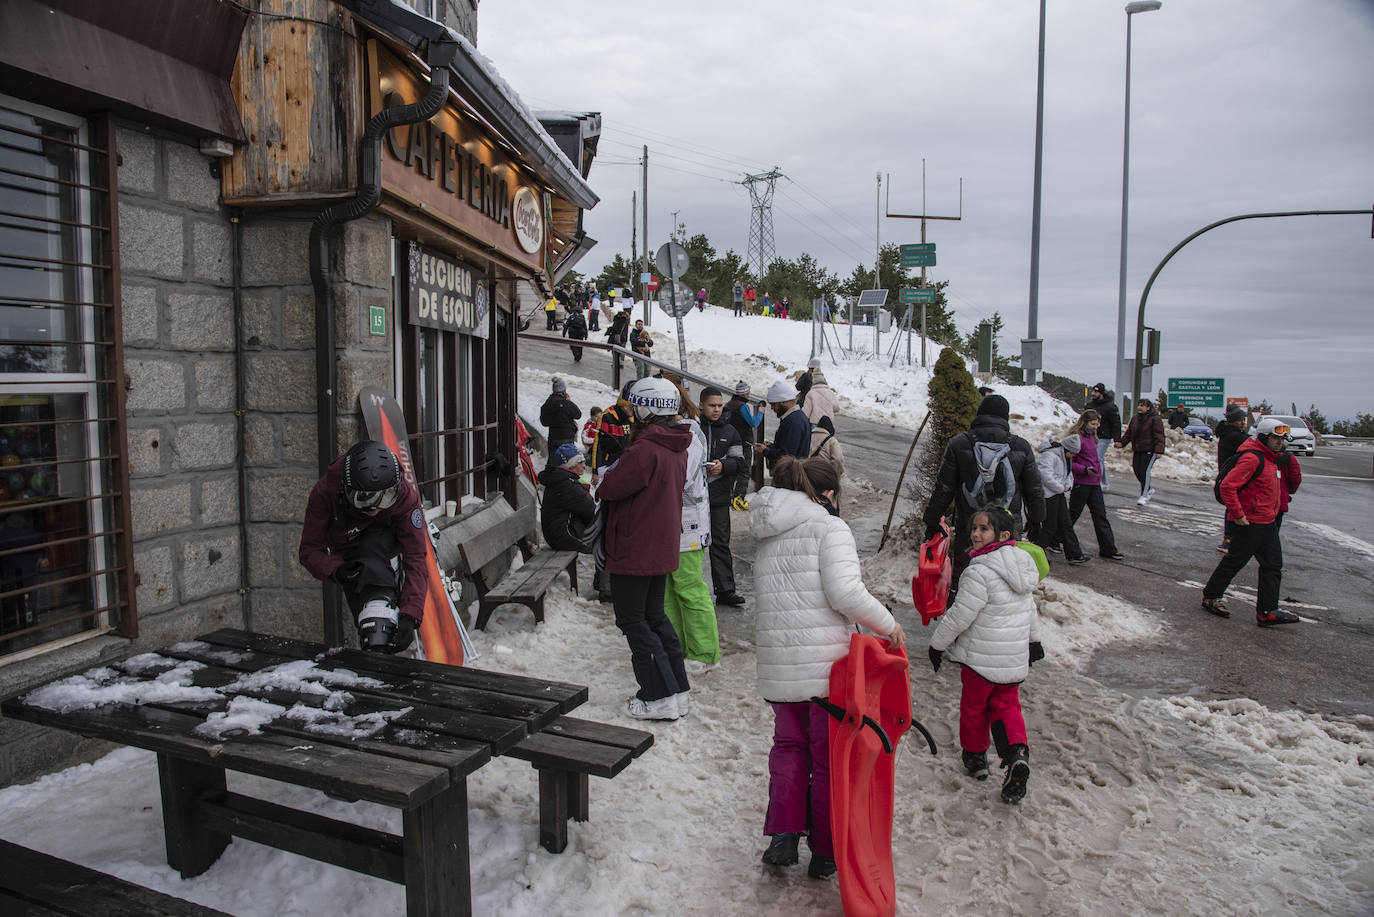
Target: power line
{"type": "Point", "coordinates": [841, 213]}
{"type": "Point", "coordinates": [858, 246]}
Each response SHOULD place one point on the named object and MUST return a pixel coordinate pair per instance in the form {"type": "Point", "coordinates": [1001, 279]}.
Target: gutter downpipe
{"type": "Point", "coordinates": [441, 55]}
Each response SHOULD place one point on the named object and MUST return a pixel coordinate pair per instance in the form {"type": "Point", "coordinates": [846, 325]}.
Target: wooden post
{"type": "Point", "coordinates": [438, 876]}
{"type": "Point", "coordinates": [898, 489]}
{"type": "Point", "coordinates": [191, 848]}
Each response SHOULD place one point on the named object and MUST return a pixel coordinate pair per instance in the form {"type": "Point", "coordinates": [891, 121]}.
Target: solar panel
{"type": "Point", "coordinates": [872, 298]}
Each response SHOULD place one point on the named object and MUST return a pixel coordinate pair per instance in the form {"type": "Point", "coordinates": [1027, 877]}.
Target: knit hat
{"type": "Point", "coordinates": [568, 455]}
{"type": "Point", "coordinates": [1072, 443]}
{"type": "Point", "coordinates": [741, 388]}
{"type": "Point", "coordinates": [559, 385]}
{"type": "Point", "coordinates": [1099, 387]}
{"type": "Point", "coordinates": [995, 406]}
{"type": "Point", "coordinates": [781, 391]}
{"type": "Point", "coordinates": [813, 363]}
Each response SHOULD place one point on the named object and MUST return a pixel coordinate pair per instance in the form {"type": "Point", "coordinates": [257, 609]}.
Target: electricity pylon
{"type": "Point", "coordinates": [761, 253]}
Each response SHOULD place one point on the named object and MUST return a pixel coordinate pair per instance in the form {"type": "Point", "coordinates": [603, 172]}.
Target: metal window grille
{"type": "Point", "coordinates": [65, 546]}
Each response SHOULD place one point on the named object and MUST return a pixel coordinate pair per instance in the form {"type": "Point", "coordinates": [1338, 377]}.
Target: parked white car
{"type": "Point", "coordinates": [1300, 438]}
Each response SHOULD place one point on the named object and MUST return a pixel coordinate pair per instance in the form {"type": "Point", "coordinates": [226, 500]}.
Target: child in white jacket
{"type": "Point", "coordinates": [809, 595]}
{"type": "Point", "coordinates": [992, 630]}
{"type": "Point", "coordinates": [1056, 477]}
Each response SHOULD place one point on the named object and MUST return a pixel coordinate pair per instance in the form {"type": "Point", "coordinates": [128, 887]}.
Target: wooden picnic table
{"type": "Point", "coordinates": [400, 732]}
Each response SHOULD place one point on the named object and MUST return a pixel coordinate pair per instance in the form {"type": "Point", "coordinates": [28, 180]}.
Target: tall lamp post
{"type": "Point", "coordinates": [1123, 382]}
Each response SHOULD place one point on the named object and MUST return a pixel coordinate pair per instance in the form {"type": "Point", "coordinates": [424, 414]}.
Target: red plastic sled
{"type": "Point", "coordinates": [870, 703]}
{"type": "Point", "coordinates": [930, 585]}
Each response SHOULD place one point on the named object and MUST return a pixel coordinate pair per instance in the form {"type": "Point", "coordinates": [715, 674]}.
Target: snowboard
{"type": "Point", "coordinates": [870, 686]}
{"type": "Point", "coordinates": [442, 634]}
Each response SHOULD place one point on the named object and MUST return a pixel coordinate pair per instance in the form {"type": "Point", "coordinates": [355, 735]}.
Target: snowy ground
{"type": "Point", "coordinates": [1138, 804]}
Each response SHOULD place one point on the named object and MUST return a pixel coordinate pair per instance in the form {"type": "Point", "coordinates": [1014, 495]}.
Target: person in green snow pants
{"type": "Point", "coordinates": [688, 605]}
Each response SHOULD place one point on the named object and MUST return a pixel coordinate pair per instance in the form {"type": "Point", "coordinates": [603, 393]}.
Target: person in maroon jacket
{"type": "Point", "coordinates": [360, 517]}
{"type": "Point", "coordinates": [1145, 435]}
{"type": "Point", "coordinates": [641, 496]}
{"type": "Point", "coordinates": [1254, 492]}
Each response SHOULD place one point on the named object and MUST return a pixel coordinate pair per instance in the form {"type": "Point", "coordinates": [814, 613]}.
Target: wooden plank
{"type": "Point", "coordinates": [636, 740]}
{"type": "Point", "coordinates": [192, 848]}
{"type": "Point", "coordinates": [532, 579]}
{"type": "Point", "coordinates": [66, 888]}
{"type": "Point", "coordinates": [438, 876]}
{"type": "Point", "coordinates": [500, 536]}
{"type": "Point", "coordinates": [339, 771]}
{"type": "Point", "coordinates": [380, 665]}
{"type": "Point", "coordinates": [339, 843]}
{"type": "Point", "coordinates": [556, 752]}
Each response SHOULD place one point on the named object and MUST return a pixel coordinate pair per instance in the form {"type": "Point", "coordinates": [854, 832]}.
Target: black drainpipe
{"type": "Point", "coordinates": [240, 420]}
{"type": "Point", "coordinates": [441, 55]}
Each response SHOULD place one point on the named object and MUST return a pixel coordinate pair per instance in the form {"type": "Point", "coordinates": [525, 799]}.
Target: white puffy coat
{"type": "Point", "coordinates": [993, 621]}
{"type": "Point", "coordinates": [821, 400]}
{"type": "Point", "coordinates": [696, 507]}
{"type": "Point", "coordinates": [809, 594]}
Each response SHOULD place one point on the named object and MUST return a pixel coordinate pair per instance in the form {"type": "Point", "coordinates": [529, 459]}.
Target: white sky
{"type": "Point", "coordinates": [1236, 108]}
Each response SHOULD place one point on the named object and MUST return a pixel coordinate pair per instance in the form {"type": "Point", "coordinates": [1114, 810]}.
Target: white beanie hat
{"type": "Point", "coordinates": [781, 391]}
{"type": "Point", "coordinates": [813, 363]}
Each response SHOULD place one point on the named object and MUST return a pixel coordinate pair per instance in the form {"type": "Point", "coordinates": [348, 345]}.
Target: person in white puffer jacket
{"type": "Point", "coordinates": [809, 596]}
{"type": "Point", "coordinates": [991, 629]}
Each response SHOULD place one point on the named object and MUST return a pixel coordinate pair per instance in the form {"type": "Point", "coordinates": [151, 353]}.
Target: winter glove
{"type": "Point", "coordinates": [403, 635]}
{"type": "Point", "coordinates": [347, 572]}
{"type": "Point", "coordinates": [936, 657]}
{"type": "Point", "coordinates": [1037, 652]}
{"type": "Point", "coordinates": [931, 532]}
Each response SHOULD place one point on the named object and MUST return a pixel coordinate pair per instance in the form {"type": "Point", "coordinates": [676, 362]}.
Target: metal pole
{"type": "Point", "coordinates": [877, 258]}
{"type": "Point", "coordinates": [1028, 375]}
{"type": "Point", "coordinates": [1125, 198]}
{"type": "Point", "coordinates": [644, 203]}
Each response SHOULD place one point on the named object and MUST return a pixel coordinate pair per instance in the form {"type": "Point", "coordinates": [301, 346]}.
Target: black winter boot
{"type": "Point", "coordinates": [976, 764]}
{"type": "Point", "coordinates": [1017, 765]}
{"type": "Point", "coordinates": [782, 850]}
{"type": "Point", "coordinates": [821, 867]}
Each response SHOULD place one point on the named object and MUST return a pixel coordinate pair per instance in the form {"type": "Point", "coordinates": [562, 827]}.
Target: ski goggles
{"type": "Point", "coordinates": [1281, 430]}
{"type": "Point", "coordinates": [372, 500]}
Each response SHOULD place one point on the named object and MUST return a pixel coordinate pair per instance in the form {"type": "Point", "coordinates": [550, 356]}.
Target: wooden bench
{"type": "Point", "coordinates": [486, 543]}
{"type": "Point", "coordinates": [564, 754]}
{"type": "Point", "coordinates": [34, 884]}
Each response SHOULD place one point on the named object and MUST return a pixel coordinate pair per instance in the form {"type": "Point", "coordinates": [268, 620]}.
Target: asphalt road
{"type": "Point", "coordinates": [1320, 665]}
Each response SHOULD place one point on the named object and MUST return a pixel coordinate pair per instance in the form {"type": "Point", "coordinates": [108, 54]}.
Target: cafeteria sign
{"type": "Point", "coordinates": [446, 294]}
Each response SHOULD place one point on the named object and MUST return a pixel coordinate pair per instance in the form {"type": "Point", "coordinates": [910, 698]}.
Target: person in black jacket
{"type": "Point", "coordinates": [794, 430]}
{"type": "Point", "coordinates": [1109, 432]}
{"type": "Point", "coordinates": [1178, 417]}
{"type": "Point", "coordinates": [619, 332]}
{"type": "Point", "coordinates": [958, 481]}
{"type": "Point", "coordinates": [747, 434]}
{"type": "Point", "coordinates": [724, 461]}
{"type": "Point", "coordinates": [575, 328]}
{"type": "Point", "coordinates": [567, 510]}
{"type": "Point", "coordinates": [560, 415]}
{"type": "Point", "coordinates": [1231, 432]}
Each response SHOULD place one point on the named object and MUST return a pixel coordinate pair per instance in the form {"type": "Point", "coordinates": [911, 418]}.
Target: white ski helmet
{"type": "Point", "coordinates": [652, 398]}
{"type": "Point", "coordinates": [1272, 426]}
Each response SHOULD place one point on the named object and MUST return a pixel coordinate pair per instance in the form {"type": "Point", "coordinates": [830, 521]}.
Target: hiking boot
{"type": "Point", "coordinates": [821, 867]}
{"type": "Point", "coordinates": [1216, 607]}
{"type": "Point", "coordinates": [665, 708]}
{"type": "Point", "coordinates": [1277, 616]}
{"type": "Point", "coordinates": [782, 850]}
{"type": "Point", "coordinates": [976, 764]}
{"type": "Point", "coordinates": [1054, 548]}
{"type": "Point", "coordinates": [1017, 765]}
{"type": "Point", "coordinates": [733, 599]}
{"type": "Point", "coordinates": [1078, 560]}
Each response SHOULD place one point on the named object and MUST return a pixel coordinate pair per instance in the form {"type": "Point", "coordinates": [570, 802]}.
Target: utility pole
{"type": "Point", "coordinates": [1029, 347]}
{"type": "Point", "coordinates": [877, 257]}
{"type": "Point", "coordinates": [923, 216]}
{"type": "Point", "coordinates": [644, 269]}
{"type": "Point", "coordinates": [761, 220]}
{"type": "Point", "coordinates": [634, 233]}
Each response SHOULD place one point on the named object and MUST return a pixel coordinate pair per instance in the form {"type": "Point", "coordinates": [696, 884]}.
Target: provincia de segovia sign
{"type": "Point", "coordinates": [446, 294]}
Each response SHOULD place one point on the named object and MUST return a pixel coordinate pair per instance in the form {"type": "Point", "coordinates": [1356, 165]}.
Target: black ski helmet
{"type": "Point", "coordinates": [371, 476]}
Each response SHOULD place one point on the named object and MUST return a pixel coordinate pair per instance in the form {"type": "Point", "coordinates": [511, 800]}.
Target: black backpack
{"type": "Point", "coordinates": [1228, 465]}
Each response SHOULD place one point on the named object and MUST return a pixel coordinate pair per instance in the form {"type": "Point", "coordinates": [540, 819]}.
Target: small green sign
{"type": "Point", "coordinates": [918, 259]}
{"type": "Point", "coordinates": [376, 323]}
{"type": "Point", "coordinates": [913, 247]}
{"type": "Point", "coordinates": [1197, 393]}
{"type": "Point", "coordinates": [914, 294]}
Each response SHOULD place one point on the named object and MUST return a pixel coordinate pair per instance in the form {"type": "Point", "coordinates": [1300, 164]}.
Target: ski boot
{"type": "Point", "coordinates": [1017, 764]}
{"type": "Point", "coordinates": [782, 850]}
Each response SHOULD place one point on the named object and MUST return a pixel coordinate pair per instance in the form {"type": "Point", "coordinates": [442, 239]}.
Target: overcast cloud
{"type": "Point", "coordinates": [1237, 107]}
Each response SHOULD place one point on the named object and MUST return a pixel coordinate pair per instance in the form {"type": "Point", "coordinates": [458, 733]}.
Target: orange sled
{"type": "Point", "coordinates": [870, 706]}
{"type": "Point", "coordinates": [930, 585]}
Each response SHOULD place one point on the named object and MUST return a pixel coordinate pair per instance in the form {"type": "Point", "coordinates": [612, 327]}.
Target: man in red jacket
{"type": "Point", "coordinates": [641, 496]}
{"type": "Point", "coordinates": [360, 516]}
{"type": "Point", "coordinates": [1253, 493]}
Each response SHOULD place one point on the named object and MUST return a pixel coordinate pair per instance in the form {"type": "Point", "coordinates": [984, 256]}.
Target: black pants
{"type": "Point", "coordinates": [1262, 543]}
{"type": "Point", "coordinates": [378, 551]}
{"type": "Point", "coordinates": [655, 650]}
{"type": "Point", "coordinates": [592, 323]}
{"type": "Point", "coordinates": [1057, 529]}
{"type": "Point", "coordinates": [739, 308]}
{"type": "Point", "coordinates": [741, 486]}
{"type": "Point", "coordinates": [551, 321]}
{"type": "Point", "coordinates": [1090, 495]}
{"type": "Point", "coordinates": [1141, 463]}
{"type": "Point", "coordinates": [576, 352]}
{"type": "Point", "coordinates": [722, 563]}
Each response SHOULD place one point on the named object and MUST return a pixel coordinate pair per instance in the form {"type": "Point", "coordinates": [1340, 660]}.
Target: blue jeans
{"type": "Point", "coordinates": [1103, 445]}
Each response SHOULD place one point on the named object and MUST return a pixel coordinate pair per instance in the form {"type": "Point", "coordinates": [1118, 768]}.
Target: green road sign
{"type": "Point", "coordinates": [376, 316]}
{"type": "Point", "coordinates": [912, 247]}
{"type": "Point", "coordinates": [1197, 393]}
{"type": "Point", "coordinates": [918, 259]}
{"type": "Point", "coordinates": [913, 294]}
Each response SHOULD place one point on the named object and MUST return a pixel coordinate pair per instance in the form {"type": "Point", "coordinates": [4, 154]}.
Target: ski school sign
{"type": "Point", "coordinates": [446, 294]}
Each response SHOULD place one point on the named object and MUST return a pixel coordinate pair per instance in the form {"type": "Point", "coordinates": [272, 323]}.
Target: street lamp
{"type": "Point", "coordinates": [1122, 383]}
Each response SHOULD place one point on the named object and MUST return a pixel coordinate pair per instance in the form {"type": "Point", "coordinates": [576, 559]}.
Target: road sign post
{"type": "Point", "coordinates": [918, 254]}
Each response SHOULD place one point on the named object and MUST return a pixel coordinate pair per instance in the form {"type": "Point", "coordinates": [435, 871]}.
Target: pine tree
{"type": "Point", "coordinates": [953, 403]}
